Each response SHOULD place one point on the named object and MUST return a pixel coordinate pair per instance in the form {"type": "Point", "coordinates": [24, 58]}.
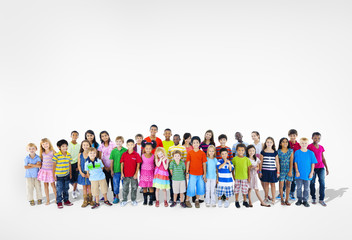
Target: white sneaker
{"type": "Point", "coordinates": [134, 203]}
{"type": "Point", "coordinates": [78, 192]}
{"type": "Point", "coordinates": [220, 203]}
{"type": "Point", "coordinates": [123, 203]}
{"type": "Point", "coordinates": [213, 205]}
{"type": "Point", "coordinates": [227, 204]}
{"type": "Point", "coordinates": [207, 204]}
{"type": "Point", "coordinates": [74, 195]}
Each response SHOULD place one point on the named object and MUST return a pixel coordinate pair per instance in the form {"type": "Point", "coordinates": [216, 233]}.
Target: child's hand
{"type": "Point", "coordinates": [278, 175]}
{"type": "Point", "coordinates": [70, 176]}
{"type": "Point", "coordinates": [112, 173]}
{"type": "Point", "coordinates": [187, 176]}
{"type": "Point", "coordinates": [260, 175]}
{"type": "Point", "coordinates": [55, 178]}
{"type": "Point", "coordinates": [204, 178]}
{"type": "Point", "coordinates": [249, 180]}
{"type": "Point", "coordinates": [289, 174]}
{"type": "Point", "coordinates": [297, 174]}
{"type": "Point", "coordinates": [327, 172]}
{"type": "Point", "coordinates": [310, 175]}
{"type": "Point", "coordinates": [135, 176]}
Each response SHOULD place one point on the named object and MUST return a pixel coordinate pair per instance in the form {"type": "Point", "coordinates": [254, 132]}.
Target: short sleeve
{"type": "Point", "coordinates": [262, 152]}
{"type": "Point", "coordinates": [100, 147]}
{"type": "Point", "coordinates": [26, 161]}
{"type": "Point", "coordinates": [112, 155]}
{"type": "Point", "coordinates": [139, 159]}
{"type": "Point", "coordinates": [188, 157]}
{"type": "Point", "coordinates": [295, 156]}
{"type": "Point", "coordinates": [249, 162]}
{"type": "Point", "coordinates": [171, 167]}
{"type": "Point", "coordinates": [70, 158]}
{"type": "Point", "coordinates": [54, 158]}
{"type": "Point", "coordinates": [314, 159]}
{"type": "Point", "coordinates": [204, 158]}
{"type": "Point", "coordinates": [322, 149]}
{"type": "Point", "coordinates": [122, 159]}
{"type": "Point", "coordinates": [275, 153]}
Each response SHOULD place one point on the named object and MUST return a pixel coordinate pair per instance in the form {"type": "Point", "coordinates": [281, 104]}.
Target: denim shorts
{"type": "Point", "coordinates": [196, 185]}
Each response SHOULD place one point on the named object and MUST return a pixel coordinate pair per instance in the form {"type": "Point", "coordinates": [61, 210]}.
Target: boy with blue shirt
{"type": "Point", "coordinates": [94, 168]}
{"type": "Point", "coordinates": [225, 181]}
{"type": "Point", "coordinates": [32, 163]}
{"type": "Point", "coordinates": [304, 161]}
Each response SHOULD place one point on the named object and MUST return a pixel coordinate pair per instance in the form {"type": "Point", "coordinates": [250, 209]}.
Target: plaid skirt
{"type": "Point", "coordinates": [224, 190]}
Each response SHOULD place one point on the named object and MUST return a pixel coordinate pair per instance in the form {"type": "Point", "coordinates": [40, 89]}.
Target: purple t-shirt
{"type": "Point", "coordinates": [318, 152]}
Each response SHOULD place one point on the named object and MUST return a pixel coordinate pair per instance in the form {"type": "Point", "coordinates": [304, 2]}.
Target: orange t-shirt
{"type": "Point", "coordinates": [196, 160]}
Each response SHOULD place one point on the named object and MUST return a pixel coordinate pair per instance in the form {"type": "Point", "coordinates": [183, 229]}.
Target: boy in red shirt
{"type": "Point", "coordinates": [130, 162]}
{"type": "Point", "coordinates": [153, 131]}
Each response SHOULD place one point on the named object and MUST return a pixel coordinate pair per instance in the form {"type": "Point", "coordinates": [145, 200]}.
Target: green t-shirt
{"type": "Point", "coordinates": [73, 149]}
{"type": "Point", "coordinates": [167, 144]}
{"type": "Point", "coordinates": [241, 167]}
{"type": "Point", "coordinates": [178, 171]}
{"type": "Point", "coordinates": [116, 156]}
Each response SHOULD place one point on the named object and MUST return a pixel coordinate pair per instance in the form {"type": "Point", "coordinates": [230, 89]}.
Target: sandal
{"type": "Point", "coordinates": [95, 205]}
{"type": "Point", "coordinates": [250, 205]}
{"type": "Point", "coordinates": [31, 202]}
{"type": "Point", "coordinates": [287, 203]}
{"type": "Point", "coordinates": [265, 205]}
{"type": "Point", "coordinates": [107, 203]}
{"type": "Point", "coordinates": [283, 202]}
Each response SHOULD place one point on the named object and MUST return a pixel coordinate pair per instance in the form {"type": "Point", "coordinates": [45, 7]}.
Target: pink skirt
{"type": "Point", "coordinates": [45, 176]}
{"type": "Point", "coordinates": [146, 178]}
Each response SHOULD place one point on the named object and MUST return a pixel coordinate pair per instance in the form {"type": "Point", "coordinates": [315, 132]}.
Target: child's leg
{"type": "Point", "coordinates": [207, 192]}
{"type": "Point", "coordinates": [116, 183]}
{"type": "Point", "coordinates": [273, 191]}
{"type": "Point", "coordinates": [74, 186]}
{"type": "Point", "coordinates": [236, 196]}
{"type": "Point", "coordinates": [321, 175]}
{"type": "Point", "coordinates": [145, 190]}
{"type": "Point", "coordinates": [157, 194]}
{"type": "Point", "coordinates": [54, 188]}
{"type": "Point", "coordinates": [66, 188]}
{"type": "Point", "coordinates": [165, 195]}
{"type": "Point", "coordinates": [212, 190]}
{"type": "Point", "coordinates": [182, 197]}
{"type": "Point", "coordinates": [306, 190]}
{"type": "Point", "coordinates": [134, 187]}
{"type": "Point", "coordinates": [38, 189]}
{"type": "Point", "coordinates": [281, 189]}
{"type": "Point", "coordinates": [266, 190]}
{"type": "Point", "coordinates": [244, 189]}
{"type": "Point", "coordinates": [249, 197]}
{"type": "Point", "coordinates": [89, 189]}
{"type": "Point", "coordinates": [258, 196]}
{"type": "Point", "coordinates": [84, 190]}
{"type": "Point", "coordinates": [104, 189]}
{"type": "Point", "coordinates": [175, 197]}
{"type": "Point", "coordinates": [126, 188]}
{"type": "Point", "coordinates": [60, 189]}
{"type": "Point", "coordinates": [30, 188]}
{"type": "Point", "coordinates": [237, 189]}
{"type": "Point", "coordinates": [288, 189]}
{"type": "Point", "coordinates": [151, 190]}
{"type": "Point", "coordinates": [46, 190]}
{"type": "Point", "coordinates": [299, 189]}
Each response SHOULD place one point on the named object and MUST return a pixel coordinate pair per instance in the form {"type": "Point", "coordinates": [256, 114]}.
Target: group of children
{"type": "Point", "coordinates": [189, 170]}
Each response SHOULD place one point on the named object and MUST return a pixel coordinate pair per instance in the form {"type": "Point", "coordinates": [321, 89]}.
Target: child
{"type": "Point", "coordinates": [186, 142]}
{"type": "Point", "coordinates": [130, 162]}
{"type": "Point", "coordinates": [239, 138]}
{"type": "Point", "coordinates": [304, 164]}
{"type": "Point", "coordinates": [319, 169]}
{"type": "Point", "coordinates": [285, 154]}
{"type": "Point", "coordinates": [45, 173]}
{"type": "Point", "coordinates": [241, 174]}
{"type": "Point", "coordinates": [83, 176]}
{"type": "Point", "coordinates": [224, 178]}
{"type": "Point", "coordinates": [269, 168]}
{"type": "Point", "coordinates": [253, 176]}
{"type": "Point", "coordinates": [115, 166]}
{"type": "Point", "coordinates": [73, 149]}
{"type": "Point", "coordinates": [104, 154]}
{"type": "Point", "coordinates": [211, 177]}
{"type": "Point", "coordinates": [196, 170]}
{"type": "Point", "coordinates": [222, 140]}
{"type": "Point", "coordinates": [208, 140]}
{"type": "Point", "coordinates": [90, 136]}
{"type": "Point", "coordinates": [94, 168]}
{"type": "Point", "coordinates": [257, 144]}
{"type": "Point", "coordinates": [153, 131]}
{"type": "Point", "coordinates": [161, 175]}
{"type": "Point", "coordinates": [147, 172]}
{"type": "Point", "coordinates": [177, 170]}
{"type": "Point", "coordinates": [32, 163]}
{"type": "Point", "coordinates": [167, 142]}
{"type": "Point", "coordinates": [63, 173]}
{"type": "Point", "coordinates": [138, 147]}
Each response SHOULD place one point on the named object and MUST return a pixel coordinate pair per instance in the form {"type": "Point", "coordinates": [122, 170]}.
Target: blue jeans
{"type": "Point", "coordinates": [116, 180]}
{"type": "Point", "coordinates": [305, 184]}
{"type": "Point", "coordinates": [196, 185]}
{"type": "Point", "coordinates": [62, 186]}
{"type": "Point", "coordinates": [321, 175]}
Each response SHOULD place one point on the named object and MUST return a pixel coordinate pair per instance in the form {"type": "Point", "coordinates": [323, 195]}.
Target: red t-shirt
{"type": "Point", "coordinates": [196, 160]}
{"type": "Point", "coordinates": [295, 146]}
{"type": "Point", "coordinates": [159, 143]}
{"type": "Point", "coordinates": [130, 163]}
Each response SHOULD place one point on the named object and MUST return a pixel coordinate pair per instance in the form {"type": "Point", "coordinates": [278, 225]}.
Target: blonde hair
{"type": "Point", "coordinates": [213, 147]}
{"type": "Point", "coordinates": [304, 139]}
{"type": "Point", "coordinates": [159, 149]}
{"type": "Point", "coordinates": [31, 145]}
{"type": "Point", "coordinates": [92, 149]}
{"type": "Point", "coordinates": [41, 150]}
{"type": "Point", "coordinates": [120, 138]}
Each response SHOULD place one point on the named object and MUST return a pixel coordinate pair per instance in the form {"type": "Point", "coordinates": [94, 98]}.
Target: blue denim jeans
{"type": "Point", "coordinates": [305, 184]}
{"type": "Point", "coordinates": [320, 172]}
{"type": "Point", "coordinates": [116, 181]}
{"type": "Point", "coordinates": [62, 186]}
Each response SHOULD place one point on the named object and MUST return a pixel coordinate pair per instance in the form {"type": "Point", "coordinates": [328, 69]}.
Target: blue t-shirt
{"type": "Point", "coordinates": [304, 162]}
{"type": "Point", "coordinates": [211, 168]}
{"type": "Point", "coordinates": [95, 170]}
{"type": "Point", "coordinates": [225, 176]}
{"type": "Point", "coordinates": [32, 172]}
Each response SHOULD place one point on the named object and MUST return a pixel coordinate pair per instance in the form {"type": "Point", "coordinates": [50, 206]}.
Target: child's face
{"type": "Point", "coordinates": [240, 151]}
{"type": "Point", "coordinates": [223, 141]}
{"type": "Point", "coordinates": [269, 143]}
{"type": "Point", "coordinates": [85, 146]}
{"type": "Point", "coordinates": [167, 134]}
{"type": "Point", "coordinates": [32, 150]}
{"type": "Point", "coordinates": [45, 145]}
{"type": "Point", "coordinates": [148, 149]}
{"type": "Point", "coordinates": [292, 137]}
{"type": "Point", "coordinates": [251, 152]}
{"type": "Point", "coordinates": [139, 140]}
{"type": "Point", "coordinates": [130, 145]}
{"type": "Point", "coordinates": [316, 138]}
{"type": "Point", "coordinates": [105, 137]}
{"type": "Point", "coordinates": [119, 143]}
{"type": "Point", "coordinates": [160, 154]}
{"type": "Point", "coordinates": [92, 155]}
{"type": "Point", "coordinates": [177, 157]}
{"type": "Point", "coordinates": [90, 137]}
{"type": "Point", "coordinates": [208, 136]}
{"type": "Point", "coordinates": [211, 152]}
{"type": "Point", "coordinates": [188, 140]}
{"type": "Point", "coordinates": [238, 136]}
{"type": "Point", "coordinates": [284, 143]}
{"type": "Point", "coordinates": [63, 148]}
{"type": "Point", "coordinates": [224, 155]}
{"type": "Point", "coordinates": [304, 144]}
{"type": "Point", "coordinates": [254, 137]}
{"type": "Point", "coordinates": [195, 144]}
{"type": "Point", "coordinates": [153, 131]}
{"type": "Point", "coordinates": [176, 140]}
{"type": "Point", "coordinates": [74, 136]}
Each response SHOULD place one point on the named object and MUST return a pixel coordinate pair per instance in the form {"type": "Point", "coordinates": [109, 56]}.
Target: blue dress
{"type": "Point", "coordinates": [284, 159]}
{"type": "Point", "coordinates": [82, 180]}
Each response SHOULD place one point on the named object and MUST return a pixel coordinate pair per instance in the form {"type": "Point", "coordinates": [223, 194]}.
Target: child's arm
{"type": "Point", "coordinates": [217, 176]}
{"type": "Point", "coordinates": [260, 165]}
{"type": "Point", "coordinates": [205, 171]}
{"type": "Point", "coordinates": [249, 173]}
{"type": "Point", "coordinates": [222, 165]}
{"type": "Point", "coordinates": [54, 168]}
{"type": "Point", "coordinates": [69, 164]}
{"type": "Point", "coordinates": [122, 175]}
{"type": "Point", "coordinates": [79, 165]}
{"type": "Point", "coordinates": [165, 163]}
{"type": "Point", "coordinates": [291, 165]}
{"type": "Point", "coordinates": [112, 167]}
{"type": "Point", "coordinates": [37, 165]}
{"type": "Point", "coordinates": [326, 166]}
{"type": "Point", "coordinates": [187, 169]}
{"type": "Point", "coordinates": [158, 162]}
{"type": "Point", "coordinates": [311, 171]}
{"type": "Point", "coordinates": [297, 172]}
{"type": "Point", "coordinates": [136, 173]}
{"type": "Point", "coordinates": [277, 165]}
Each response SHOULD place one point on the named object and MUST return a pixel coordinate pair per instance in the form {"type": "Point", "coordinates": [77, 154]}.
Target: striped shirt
{"type": "Point", "coordinates": [178, 171]}
{"type": "Point", "coordinates": [269, 162]}
{"type": "Point", "coordinates": [62, 164]}
{"type": "Point", "coordinates": [225, 176]}
{"type": "Point", "coordinates": [179, 147]}
{"type": "Point", "coordinates": [218, 155]}
{"type": "Point", "coordinates": [47, 163]}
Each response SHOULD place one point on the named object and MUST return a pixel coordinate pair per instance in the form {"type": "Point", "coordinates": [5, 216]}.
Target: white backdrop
{"type": "Point", "coordinates": [190, 66]}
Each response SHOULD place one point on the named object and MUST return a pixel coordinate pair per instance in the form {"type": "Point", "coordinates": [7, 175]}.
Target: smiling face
{"type": "Point", "coordinates": [238, 136]}
{"type": "Point", "coordinates": [45, 145]}
{"type": "Point", "coordinates": [119, 143]}
{"type": "Point", "coordinates": [139, 140]}
{"type": "Point", "coordinates": [316, 139]}
{"type": "Point", "coordinates": [195, 144]}
{"type": "Point", "coordinates": [188, 140]}
{"type": "Point", "coordinates": [208, 136]}
{"type": "Point", "coordinates": [167, 135]}
{"type": "Point", "coordinates": [63, 148]}
{"type": "Point", "coordinates": [177, 157]}
{"type": "Point", "coordinates": [255, 137]}
{"type": "Point", "coordinates": [130, 146]}
{"type": "Point", "coordinates": [90, 137]}
{"type": "Point", "coordinates": [176, 140]}
{"type": "Point", "coordinates": [160, 154]}
{"type": "Point", "coordinates": [105, 137]}
{"type": "Point", "coordinates": [153, 131]}
{"type": "Point", "coordinates": [269, 144]}
{"type": "Point", "coordinates": [284, 144]}
{"type": "Point", "coordinates": [304, 144]}
{"type": "Point", "coordinates": [92, 155]}
{"type": "Point", "coordinates": [32, 150]}
{"type": "Point", "coordinates": [224, 155]}
{"type": "Point", "coordinates": [251, 152]}
{"type": "Point", "coordinates": [74, 136]}
{"type": "Point", "coordinates": [223, 141]}
{"type": "Point", "coordinates": [240, 151]}
{"type": "Point", "coordinates": [292, 137]}
{"type": "Point", "coordinates": [148, 149]}
{"type": "Point", "coordinates": [211, 152]}
{"type": "Point", "coordinates": [85, 146]}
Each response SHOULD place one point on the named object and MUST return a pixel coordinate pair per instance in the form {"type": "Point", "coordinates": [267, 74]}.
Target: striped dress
{"type": "Point", "coordinates": [269, 173]}
{"type": "Point", "coordinates": [161, 177]}
{"type": "Point", "coordinates": [45, 174]}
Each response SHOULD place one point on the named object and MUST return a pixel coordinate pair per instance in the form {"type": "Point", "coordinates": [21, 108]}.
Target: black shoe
{"type": "Point", "coordinates": [150, 199]}
{"type": "Point", "coordinates": [246, 204]}
{"type": "Point", "coordinates": [298, 203]}
{"type": "Point", "coordinates": [223, 197]}
{"type": "Point", "coordinates": [306, 204]}
{"type": "Point", "coordinates": [237, 204]}
{"type": "Point", "coordinates": [173, 204]}
{"type": "Point", "coordinates": [145, 196]}
{"type": "Point", "coordinates": [201, 201]}
{"type": "Point", "coordinates": [183, 205]}
{"type": "Point", "coordinates": [193, 199]}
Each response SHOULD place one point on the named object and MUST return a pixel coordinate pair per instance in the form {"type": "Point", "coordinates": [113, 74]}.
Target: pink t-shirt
{"type": "Point", "coordinates": [318, 152]}
{"type": "Point", "coordinates": [105, 153]}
